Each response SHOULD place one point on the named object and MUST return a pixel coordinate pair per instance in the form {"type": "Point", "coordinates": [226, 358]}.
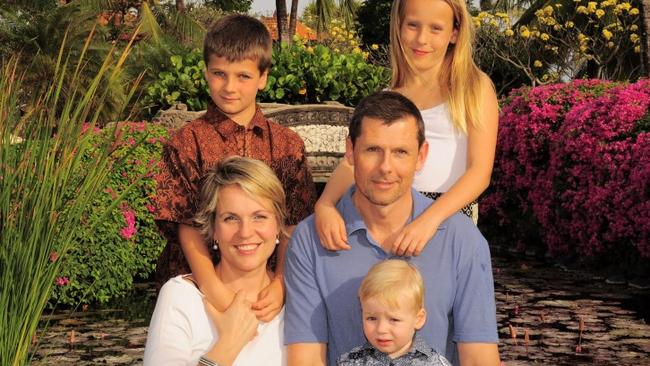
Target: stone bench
{"type": "Point", "coordinates": [323, 128]}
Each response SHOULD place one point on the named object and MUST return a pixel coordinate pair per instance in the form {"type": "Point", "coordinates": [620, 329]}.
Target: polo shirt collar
{"type": "Point", "coordinates": [354, 221]}
{"type": "Point", "coordinates": [226, 126]}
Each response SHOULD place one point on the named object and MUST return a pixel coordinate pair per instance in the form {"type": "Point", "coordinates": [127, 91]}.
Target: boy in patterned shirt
{"type": "Point", "coordinates": [237, 54]}
{"type": "Point", "coordinates": [392, 306]}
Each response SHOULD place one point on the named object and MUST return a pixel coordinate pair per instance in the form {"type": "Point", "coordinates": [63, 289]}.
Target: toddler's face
{"type": "Point", "coordinates": [391, 330]}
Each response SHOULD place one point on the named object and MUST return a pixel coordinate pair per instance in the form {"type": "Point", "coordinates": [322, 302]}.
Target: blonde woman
{"type": "Point", "coordinates": [241, 215]}
{"type": "Point", "coordinates": [431, 55]}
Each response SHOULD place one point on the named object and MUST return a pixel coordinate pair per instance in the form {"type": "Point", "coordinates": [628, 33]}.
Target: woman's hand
{"type": "Point", "coordinates": [270, 300]}
{"type": "Point", "coordinates": [330, 227]}
{"type": "Point", "coordinates": [414, 236]}
{"type": "Point", "coordinates": [236, 327]}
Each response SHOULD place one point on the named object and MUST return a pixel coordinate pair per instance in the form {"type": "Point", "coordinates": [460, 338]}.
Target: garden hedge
{"type": "Point", "coordinates": [572, 169]}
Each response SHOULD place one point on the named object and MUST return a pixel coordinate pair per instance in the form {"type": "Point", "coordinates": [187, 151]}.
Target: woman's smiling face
{"type": "Point", "coordinates": [246, 229]}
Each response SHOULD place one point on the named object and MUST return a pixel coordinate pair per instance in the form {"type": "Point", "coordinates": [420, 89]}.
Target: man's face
{"type": "Point", "coordinates": [385, 159]}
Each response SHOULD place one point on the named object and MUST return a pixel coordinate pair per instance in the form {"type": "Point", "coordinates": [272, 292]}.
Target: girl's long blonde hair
{"type": "Point", "coordinates": [459, 77]}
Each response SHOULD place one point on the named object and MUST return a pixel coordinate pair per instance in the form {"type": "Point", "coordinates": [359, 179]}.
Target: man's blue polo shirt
{"type": "Point", "coordinates": [322, 302]}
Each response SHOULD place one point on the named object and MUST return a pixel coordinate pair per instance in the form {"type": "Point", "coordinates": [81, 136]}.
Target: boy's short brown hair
{"type": "Point", "coordinates": [239, 37]}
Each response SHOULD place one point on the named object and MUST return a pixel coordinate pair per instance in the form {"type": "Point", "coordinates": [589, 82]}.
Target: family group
{"type": "Point", "coordinates": [385, 268]}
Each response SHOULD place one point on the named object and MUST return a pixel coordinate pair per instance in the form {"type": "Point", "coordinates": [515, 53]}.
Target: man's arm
{"type": "Point", "coordinates": [478, 354]}
{"type": "Point", "coordinates": [306, 354]}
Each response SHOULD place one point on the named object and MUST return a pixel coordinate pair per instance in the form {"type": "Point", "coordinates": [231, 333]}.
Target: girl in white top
{"type": "Point", "coordinates": [431, 56]}
{"type": "Point", "coordinates": [242, 211]}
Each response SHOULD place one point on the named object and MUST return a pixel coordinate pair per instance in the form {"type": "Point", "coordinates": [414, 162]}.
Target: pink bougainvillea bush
{"type": "Point", "coordinates": [112, 251]}
{"type": "Point", "coordinates": [572, 168]}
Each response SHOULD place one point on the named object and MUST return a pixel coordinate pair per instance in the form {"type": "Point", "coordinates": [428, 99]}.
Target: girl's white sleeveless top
{"type": "Point", "coordinates": [447, 158]}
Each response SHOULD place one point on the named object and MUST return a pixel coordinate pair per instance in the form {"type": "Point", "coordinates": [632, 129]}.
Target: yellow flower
{"type": "Point", "coordinates": [634, 11]}
{"type": "Point", "coordinates": [557, 27]}
{"type": "Point", "coordinates": [548, 11]}
{"type": "Point", "coordinates": [583, 48]}
{"type": "Point", "coordinates": [569, 24]}
{"type": "Point", "coordinates": [600, 13]}
{"type": "Point", "coordinates": [591, 6]}
{"type": "Point", "coordinates": [524, 32]}
{"type": "Point", "coordinates": [607, 34]}
{"type": "Point", "coordinates": [634, 38]}
{"type": "Point", "coordinates": [582, 38]}
{"type": "Point", "coordinates": [634, 28]}
{"type": "Point", "coordinates": [310, 50]}
{"type": "Point", "coordinates": [302, 91]}
{"type": "Point", "coordinates": [374, 47]}
{"type": "Point", "coordinates": [582, 10]}
{"type": "Point", "coordinates": [509, 32]}
{"type": "Point", "coordinates": [637, 49]}
{"type": "Point", "coordinates": [538, 63]}
{"type": "Point", "coordinates": [544, 37]}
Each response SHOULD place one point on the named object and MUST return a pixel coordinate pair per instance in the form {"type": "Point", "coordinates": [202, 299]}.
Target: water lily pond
{"type": "Point", "coordinates": [546, 316]}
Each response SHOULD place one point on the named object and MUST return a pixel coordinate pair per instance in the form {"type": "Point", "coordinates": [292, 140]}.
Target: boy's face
{"type": "Point", "coordinates": [233, 87]}
{"type": "Point", "coordinates": [391, 330]}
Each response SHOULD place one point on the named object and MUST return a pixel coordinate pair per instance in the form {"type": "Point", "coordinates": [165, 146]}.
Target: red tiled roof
{"type": "Point", "coordinates": [301, 30]}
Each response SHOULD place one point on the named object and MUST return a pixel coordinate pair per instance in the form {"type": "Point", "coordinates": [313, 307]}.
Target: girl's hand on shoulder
{"type": "Point", "coordinates": [330, 227]}
{"type": "Point", "coordinates": [270, 300]}
{"type": "Point", "coordinates": [414, 236]}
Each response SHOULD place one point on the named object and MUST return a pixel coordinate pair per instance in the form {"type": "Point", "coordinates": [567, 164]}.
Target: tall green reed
{"type": "Point", "coordinates": [44, 193]}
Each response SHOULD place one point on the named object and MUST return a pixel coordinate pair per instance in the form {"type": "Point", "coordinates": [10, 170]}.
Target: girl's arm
{"type": "Point", "coordinates": [271, 298]}
{"type": "Point", "coordinates": [481, 146]}
{"type": "Point", "coordinates": [329, 223]}
{"type": "Point", "coordinates": [198, 256]}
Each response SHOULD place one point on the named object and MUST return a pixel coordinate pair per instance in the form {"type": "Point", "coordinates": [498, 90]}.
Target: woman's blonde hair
{"type": "Point", "coordinates": [253, 176]}
{"type": "Point", "coordinates": [459, 77]}
{"type": "Point", "coordinates": [391, 280]}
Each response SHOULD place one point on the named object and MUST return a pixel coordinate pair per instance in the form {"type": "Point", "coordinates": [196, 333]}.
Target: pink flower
{"type": "Point", "coordinates": [62, 281]}
{"type": "Point", "coordinates": [54, 256]}
{"type": "Point", "coordinates": [129, 230]}
{"type": "Point", "coordinates": [151, 208]}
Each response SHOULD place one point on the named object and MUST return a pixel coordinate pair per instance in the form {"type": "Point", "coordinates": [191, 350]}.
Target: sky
{"type": "Point", "coordinates": [267, 7]}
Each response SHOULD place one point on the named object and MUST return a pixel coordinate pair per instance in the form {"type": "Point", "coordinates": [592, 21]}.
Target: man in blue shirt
{"type": "Point", "coordinates": [386, 146]}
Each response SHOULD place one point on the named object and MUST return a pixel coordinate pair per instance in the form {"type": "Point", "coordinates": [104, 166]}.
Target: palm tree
{"type": "Point", "coordinates": [293, 18]}
{"type": "Point", "coordinates": [281, 18]}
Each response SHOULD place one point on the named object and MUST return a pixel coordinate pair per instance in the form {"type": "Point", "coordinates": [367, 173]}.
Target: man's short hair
{"type": "Point", "coordinates": [390, 280]}
{"type": "Point", "coordinates": [239, 37]}
{"type": "Point", "coordinates": [387, 106]}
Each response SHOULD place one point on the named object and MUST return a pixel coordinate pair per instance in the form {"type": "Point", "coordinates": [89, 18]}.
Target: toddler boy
{"type": "Point", "coordinates": [392, 306]}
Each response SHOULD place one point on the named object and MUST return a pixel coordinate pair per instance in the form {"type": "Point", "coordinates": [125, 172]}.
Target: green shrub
{"type": "Point", "coordinates": [313, 74]}
{"type": "Point", "coordinates": [300, 74]}
{"type": "Point", "coordinates": [183, 82]}
{"type": "Point", "coordinates": [103, 263]}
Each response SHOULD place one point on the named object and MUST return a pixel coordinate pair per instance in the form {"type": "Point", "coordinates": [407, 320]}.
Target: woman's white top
{"type": "Point", "coordinates": [181, 331]}
{"type": "Point", "coordinates": [447, 158]}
